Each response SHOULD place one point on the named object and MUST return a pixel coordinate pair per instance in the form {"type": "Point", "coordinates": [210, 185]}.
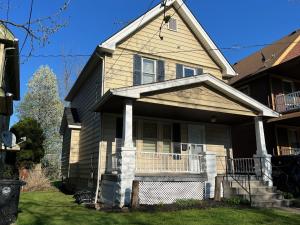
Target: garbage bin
{"type": "Point", "coordinates": [9, 200]}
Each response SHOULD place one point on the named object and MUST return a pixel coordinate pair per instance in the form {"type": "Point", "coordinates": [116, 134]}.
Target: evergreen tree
{"type": "Point", "coordinates": [42, 103]}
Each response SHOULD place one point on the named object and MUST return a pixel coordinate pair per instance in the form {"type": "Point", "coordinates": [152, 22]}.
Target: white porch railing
{"type": "Point", "coordinates": [156, 162]}
{"type": "Point", "coordinates": [289, 151]}
{"type": "Point", "coordinates": [288, 102]}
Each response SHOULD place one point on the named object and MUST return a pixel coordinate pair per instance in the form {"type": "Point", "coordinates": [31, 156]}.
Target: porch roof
{"type": "Point", "coordinates": [135, 92]}
{"type": "Point", "coordinates": [290, 119]}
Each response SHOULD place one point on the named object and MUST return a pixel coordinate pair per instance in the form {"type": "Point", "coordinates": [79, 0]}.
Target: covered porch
{"type": "Point", "coordinates": [187, 133]}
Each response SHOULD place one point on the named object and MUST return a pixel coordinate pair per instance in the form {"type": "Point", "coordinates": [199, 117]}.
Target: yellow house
{"type": "Point", "coordinates": [152, 105]}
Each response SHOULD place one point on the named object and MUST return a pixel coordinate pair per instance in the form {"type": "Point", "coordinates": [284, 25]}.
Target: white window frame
{"type": "Point", "coordinates": [171, 28]}
{"type": "Point", "coordinates": [190, 68]}
{"type": "Point", "coordinates": [155, 70]}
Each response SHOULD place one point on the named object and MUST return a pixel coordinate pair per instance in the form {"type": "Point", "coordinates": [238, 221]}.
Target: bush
{"type": "Point", "coordinates": [237, 201]}
{"type": "Point", "coordinates": [187, 203]}
{"type": "Point", "coordinates": [37, 181]}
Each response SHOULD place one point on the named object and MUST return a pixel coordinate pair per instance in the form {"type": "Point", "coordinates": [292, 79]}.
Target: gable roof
{"type": "Point", "coordinates": [110, 44]}
{"type": "Point", "coordinates": [274, 54]}
{"type": "Point", "coordinates": [70, 119]}
{"type": "Point", "coordinates": [135, 92]}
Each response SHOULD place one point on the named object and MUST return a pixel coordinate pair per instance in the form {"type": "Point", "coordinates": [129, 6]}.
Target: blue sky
{"type": "Point", "coordinates": [228, 22]}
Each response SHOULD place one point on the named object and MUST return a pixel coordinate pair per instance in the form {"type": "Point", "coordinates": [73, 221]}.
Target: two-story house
{"type": "Point", "coordinates": [153, 105]}
{"type": "Point", "coordinates": [9, 78]}
{"type": "Point", "coordinates": [271, 76]}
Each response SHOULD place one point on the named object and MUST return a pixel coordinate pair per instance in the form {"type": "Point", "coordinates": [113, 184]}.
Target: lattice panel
{"type": "Point", "coordinates": [152, 193]}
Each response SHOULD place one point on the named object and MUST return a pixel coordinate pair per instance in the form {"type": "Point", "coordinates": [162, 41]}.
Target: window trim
{"type": "Point", "coordinates": [142, 69]}
{"type": "Point", "coordinates": [188, 67]}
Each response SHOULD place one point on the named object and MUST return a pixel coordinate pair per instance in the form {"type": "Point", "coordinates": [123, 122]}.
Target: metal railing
{"type": "Point", "coordinates": [241, 166]}
{"type": "Point", "coordinates": [288, 102]}
{"type": "Point", "coordinates": [157, 162]}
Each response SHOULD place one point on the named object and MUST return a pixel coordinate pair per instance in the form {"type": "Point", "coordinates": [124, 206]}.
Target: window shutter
{"type": "Point", "coordinates": [137, 69]}
{"type": "Point", "coordinates": [160, 70]}
{"type": "Point", "coordinates": [199, 71]}
{"type": "Point", "coordinates": [179, 71]}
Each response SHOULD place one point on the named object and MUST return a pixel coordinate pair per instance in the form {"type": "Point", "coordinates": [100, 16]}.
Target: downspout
{"type": "Point", "coordinates": [100, 114]}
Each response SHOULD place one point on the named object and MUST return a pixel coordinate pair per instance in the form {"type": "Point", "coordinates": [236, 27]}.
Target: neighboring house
{"type": "Point", "coordinates": [9, 76]}
{"type": "Point", "coordinates": [153, 105]}
{"type": "Point", "coordinates": [272, 76]}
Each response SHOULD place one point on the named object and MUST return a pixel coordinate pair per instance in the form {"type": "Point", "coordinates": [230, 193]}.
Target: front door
{"type": "Point", "coordinates": [196, 146]}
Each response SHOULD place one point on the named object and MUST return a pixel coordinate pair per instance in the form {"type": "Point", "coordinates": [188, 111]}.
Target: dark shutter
{"type": "Point", "coordinates": [119, 127]}
{"type": "Point", "coordinates": [199, 71]}
{"type": "Point", "coordinates": [137, 69]}
{"type": "Point", "coordinates": [160, 70]}
{"type": "Point", "coordinates": [179, 71]}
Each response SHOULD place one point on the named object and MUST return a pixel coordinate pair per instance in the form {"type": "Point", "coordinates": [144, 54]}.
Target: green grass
{"type": "Point", "coordinates": [57, 208]}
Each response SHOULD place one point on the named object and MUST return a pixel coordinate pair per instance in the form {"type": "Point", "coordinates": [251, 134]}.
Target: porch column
{"type": "Point", "coordinates": [262, 159]}
{"type": "Point", "coordinates": [126, 159]}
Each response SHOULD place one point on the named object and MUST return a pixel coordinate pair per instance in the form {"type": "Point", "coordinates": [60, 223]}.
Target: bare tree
{"type": "Point", "coordinates": [36, 30]}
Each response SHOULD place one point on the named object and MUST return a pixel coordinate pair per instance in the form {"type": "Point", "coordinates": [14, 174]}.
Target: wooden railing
{"type": "Point", "coordinates": [288, 102]}
{"type": "Point", "coordinates": [157, 162]}
{"type": "Point", "coordinates": [241, 166]}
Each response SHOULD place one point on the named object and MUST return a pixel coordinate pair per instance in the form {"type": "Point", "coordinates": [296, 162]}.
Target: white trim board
{"type": "Point", "coordinates": [136, 91]}
{"type": "Point", "coordinates": [110, 44]}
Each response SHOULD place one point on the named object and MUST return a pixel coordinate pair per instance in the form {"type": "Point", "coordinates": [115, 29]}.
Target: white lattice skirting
{"type": "Point", "coordinates": [152, 193]}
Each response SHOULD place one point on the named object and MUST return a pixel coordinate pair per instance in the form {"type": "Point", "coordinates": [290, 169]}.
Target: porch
{"type": "Point", "coordinates": [288, 102]}
{"type": "Point", "coordinates": [174, 128]}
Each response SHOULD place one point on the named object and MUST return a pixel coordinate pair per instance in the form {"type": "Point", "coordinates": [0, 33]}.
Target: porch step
{"type": "Point", "coordinates": [261, 194]}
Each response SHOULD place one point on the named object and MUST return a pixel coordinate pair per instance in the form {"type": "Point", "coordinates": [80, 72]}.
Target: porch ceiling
{"type": "Point", "coordinates": [146, 109]}
{"type": "Point", "coordinates": [289, 119]}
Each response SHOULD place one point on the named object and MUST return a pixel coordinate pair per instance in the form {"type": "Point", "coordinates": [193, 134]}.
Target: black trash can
{"type": "Point", "coordinates": [9, 200]}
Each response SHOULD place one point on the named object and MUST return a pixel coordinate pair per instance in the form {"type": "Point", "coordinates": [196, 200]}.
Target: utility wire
{"type": "Point", "coordinates": [29, 23]}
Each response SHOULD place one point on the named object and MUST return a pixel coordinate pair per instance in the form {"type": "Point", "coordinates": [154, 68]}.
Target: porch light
{"type": "Point", "coordinates": [213, 119]}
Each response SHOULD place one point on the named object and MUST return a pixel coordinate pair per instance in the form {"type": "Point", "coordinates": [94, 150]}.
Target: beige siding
{"type": "Point", "coordinates": [217, 139]}
{"type": "Point", "coordinates": [201, 97]}
{"type": "Point", "coordinates": [146, 41]}
{"type": "Point", "coordinates": [89, 93]}
{"type": "Point", "coordinates": [74, 153]}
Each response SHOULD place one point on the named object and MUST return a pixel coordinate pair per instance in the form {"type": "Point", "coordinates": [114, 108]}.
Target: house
{"type": "Point", "coordinates": [153, 105]}
{"type": "Point", "coordinates": [271, 76]}
{"type": "Point", "coordinates": [9, 76]}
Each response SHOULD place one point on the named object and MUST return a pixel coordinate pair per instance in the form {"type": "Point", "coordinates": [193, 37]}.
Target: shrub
{"type": "Point", "coordinates": [288, 195]}
{"type": "Point", "coordinates": [237, 201]}
{"type": "Point", "coordinates": [186, 203]}
{"type": "Point", "coordinates": [37, 181]}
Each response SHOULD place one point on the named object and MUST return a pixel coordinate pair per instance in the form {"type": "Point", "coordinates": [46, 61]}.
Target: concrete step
{"type": "Point", "coordinates": [253, 184]}
{"type": "Point", "coordinates": [262, 197]}
{"type": "Point", "coordinates": [256, 190]}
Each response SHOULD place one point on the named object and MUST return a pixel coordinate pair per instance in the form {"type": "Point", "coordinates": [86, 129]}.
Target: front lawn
{"type": "Point", "coordinates": [57, 208]}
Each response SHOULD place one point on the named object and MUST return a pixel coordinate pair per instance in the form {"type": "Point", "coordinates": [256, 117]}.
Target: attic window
{"type": "Point", "coordinates": [172, 24]}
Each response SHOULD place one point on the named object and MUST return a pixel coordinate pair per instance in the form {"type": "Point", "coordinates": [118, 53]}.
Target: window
{"type": "Point", "coordinates": [149, 137]}
{"type": "Point", "coordinates": [287, 86]}
{"type": "Point", "coordinates": [172, 24]}
{"type": "Point", "coordinates": [188, 71]}
{"type": "Point", "coordinates": [245, 90]}
{"type": "Point", "coordinates": [148, 71]}
{"type": "Point", "coordinates": [167, 138]}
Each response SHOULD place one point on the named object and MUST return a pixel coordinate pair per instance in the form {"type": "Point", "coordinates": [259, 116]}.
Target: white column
{"type": "Point", "coordinates": [126, 159]}
{"type": "Point", "coordinates": [261, 148]}
{"type": "Point", "coordinates": [211, 172]}
{"type": "Point", "coordinates": [262, 159]}
{"type": "Point", "coordinates": [127, 124]}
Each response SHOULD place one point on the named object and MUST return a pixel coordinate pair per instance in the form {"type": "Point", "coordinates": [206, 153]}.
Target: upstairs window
{"type": "Point", "coordinates": [188, 71]}
{"type": "Point", "coordinates": [148, 71]}
{"type": "Point", "coordinates": [172, 24]}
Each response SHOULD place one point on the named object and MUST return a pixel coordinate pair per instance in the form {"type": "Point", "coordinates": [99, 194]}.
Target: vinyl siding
{"type": "Point", "coordinates": [90, 93]}
{"type": "Point", "coordinates": [217, 139]}
{"type": "Point", "coordinates": [199, 97]}
{"type": "Point", "coordinates": [146, 42]}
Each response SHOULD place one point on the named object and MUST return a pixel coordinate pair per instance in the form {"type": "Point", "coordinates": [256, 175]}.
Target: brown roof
{"type": "Point", "coordinates": [267, 57]}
